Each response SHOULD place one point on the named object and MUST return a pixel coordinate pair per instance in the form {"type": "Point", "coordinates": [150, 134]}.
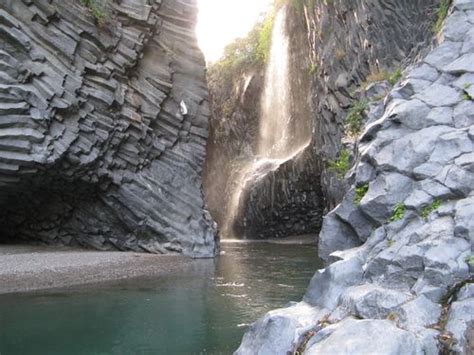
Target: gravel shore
{"type": "Point", "coordinates": [28, 268]}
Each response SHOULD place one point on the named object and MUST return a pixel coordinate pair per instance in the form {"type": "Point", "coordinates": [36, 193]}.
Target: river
{"type": "Point", "coordinates": [202, 309]}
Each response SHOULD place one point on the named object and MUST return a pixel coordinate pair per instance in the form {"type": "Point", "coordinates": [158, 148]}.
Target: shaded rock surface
{"type": "Point", "coordinates": [348, 42]}
{"type": "Point", "coordinates": [103, 125]}
{"type": "Point", "coordinates": [407, 277]}
{"type": "Point", "coordinates": [334, 48]}
{"type": "Point", "coordinates": [233, 133]}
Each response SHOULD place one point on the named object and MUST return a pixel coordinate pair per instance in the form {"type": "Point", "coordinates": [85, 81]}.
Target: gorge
{"type": "Point", "coordinates": [345, 123]}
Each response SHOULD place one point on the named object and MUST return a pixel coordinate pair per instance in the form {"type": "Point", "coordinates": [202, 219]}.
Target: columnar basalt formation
{"type": "Point", "coordinates": [401, 241]}
{"type": "Point", "coordinates": [233, 134]}
{"type": "Point", "coordinates": [103, 125]}
{"type": "Point", "coordinates": [349, 41]}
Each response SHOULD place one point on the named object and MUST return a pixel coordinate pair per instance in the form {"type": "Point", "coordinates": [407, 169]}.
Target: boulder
{"type": "Point", "coordinates": [360, 337]}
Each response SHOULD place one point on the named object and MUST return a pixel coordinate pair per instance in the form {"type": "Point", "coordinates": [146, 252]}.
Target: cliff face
{"type": "Point", "coordinates": [400, 242]}
{"type": "Point", "coordinates": [103, 125]}
{"type": "Point", "coordinates": [276, 197]}
{"type": "Point", "coordinates": [349, 42]}
{"type": "Point", "coordinates": [288, 201]}
{"type": "Point", "coordinates": [235, 104]}
{"type": "Point", "coordinates": [334, 47]}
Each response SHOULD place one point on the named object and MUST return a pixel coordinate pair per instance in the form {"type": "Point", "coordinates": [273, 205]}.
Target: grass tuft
{"type": "Point", "coordinates": [466, 96]}
{"type": "Point", "coordinates": [426, 211]}
{"type": "Point", "coordinates": [341, 165]}
{"type": "Point", "coordinates": [381, 75]}
{"type": "Point", "coordinates": [398, 212]}
{"type": "Point", "coordinates": [395, 77]}
{"type": "Point", "coordinates": [360, 192]}
{"type": "Point", "coordinates": [355, 116]}
{"type": "Point", "coordinates": [441, 15]}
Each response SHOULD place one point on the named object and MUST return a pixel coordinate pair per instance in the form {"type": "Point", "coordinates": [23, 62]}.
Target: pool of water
{"type": "Point", "coordinates": [203, 309]}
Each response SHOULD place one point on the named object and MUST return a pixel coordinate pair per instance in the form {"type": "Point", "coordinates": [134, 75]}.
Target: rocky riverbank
{"type": "Point", "coordinates": [401, 241]}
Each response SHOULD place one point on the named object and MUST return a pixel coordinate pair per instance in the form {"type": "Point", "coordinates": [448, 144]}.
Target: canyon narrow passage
{"type": "Point", "coordinates": [282, 135]}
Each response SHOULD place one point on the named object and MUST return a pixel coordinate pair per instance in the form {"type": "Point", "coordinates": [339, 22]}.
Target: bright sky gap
{"type": "Point", "coordinates": [222, 21]}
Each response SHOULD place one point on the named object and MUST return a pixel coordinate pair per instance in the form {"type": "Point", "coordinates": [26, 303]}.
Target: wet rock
{"type": "Point", "coordinates": [279, 330]}
{"type": "Point", "coordinates": [464, 223]}
{"type": "Point", "coordinates": [384, 193]}
{"type": "Point", "coordinates": [440, 95]}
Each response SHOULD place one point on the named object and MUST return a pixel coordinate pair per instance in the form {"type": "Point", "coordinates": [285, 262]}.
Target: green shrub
{"type": "Point", "coordinates": [441, 14]}
{"type": "Point", "coordinates": [360, 192]}
{"type": "Point", "coordinates": [425, 212]}
{"type": "Point", "coordinates": [341, 165]}
{"type": "Point", "coordinates": [97, 9]}
{"type": "Point", "coordinates": [265, 39]}
{"type": "Point", "coordinates": [244, 53]}
{"type": "Point", "coordinates": [355, 116]}
{"type": "Point", "coordinates": [398, 212]}
{"type": "Point", "coordinates": [395, 77]}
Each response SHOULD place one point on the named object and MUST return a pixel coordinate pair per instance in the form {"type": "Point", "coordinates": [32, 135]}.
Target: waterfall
{"type": "Point", "coordinates": [276, 141]}
{"type": "Point", "coordinates": [275, 110]}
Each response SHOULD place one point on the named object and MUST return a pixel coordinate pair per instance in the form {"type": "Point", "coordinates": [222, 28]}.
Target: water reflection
{"type": "Point", "coordinates": [202, 309]}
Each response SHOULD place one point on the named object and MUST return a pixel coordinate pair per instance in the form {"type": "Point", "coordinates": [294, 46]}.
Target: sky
{"type": "Point", "coordinates": [222, 21]}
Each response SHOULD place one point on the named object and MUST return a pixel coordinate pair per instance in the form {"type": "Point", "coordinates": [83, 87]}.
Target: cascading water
{"type": "Point", "coordinates": [276, 141]}
{"type": "Point", "coordinates": [275, 114]}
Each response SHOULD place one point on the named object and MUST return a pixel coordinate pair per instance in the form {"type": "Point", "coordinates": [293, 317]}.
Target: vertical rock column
{"type": "Point", "coordinates": [103, 125]}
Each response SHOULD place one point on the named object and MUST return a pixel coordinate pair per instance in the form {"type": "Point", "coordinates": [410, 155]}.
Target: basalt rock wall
{"type": "Point", "coordinates": [349, 40]}
{"type": "Point", "coordinates": [235, 110]}
{"type": "Point", "coordinates": [286, 202]}
{"type": "Point", "coordinates": [399, 246]}
{"type": "Point", "coordinates": [103, 125]}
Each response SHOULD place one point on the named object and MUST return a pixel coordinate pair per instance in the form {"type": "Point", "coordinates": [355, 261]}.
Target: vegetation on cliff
{"type": "Point", "coordinates": [441, 14]}
{"type": "Point", "coordinates": [252, 50]}
{"type": "Point", "coordinates": [98, 10]}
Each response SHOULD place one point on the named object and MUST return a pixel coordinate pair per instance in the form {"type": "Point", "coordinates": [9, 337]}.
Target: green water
{"type": "Point", "coordinates": [203, 309]}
